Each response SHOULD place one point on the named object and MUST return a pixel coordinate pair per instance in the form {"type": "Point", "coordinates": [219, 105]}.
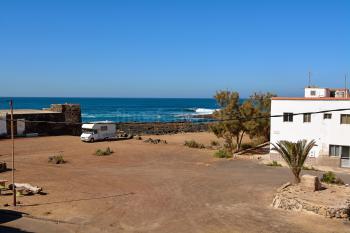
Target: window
{"type": "Point", "coordinates": [334, 150]}
{"type": "Point", "coordinates": [327, 116]}
{"type": "Point", "coordinates": [340, 94]}
{"type": "Point", "coordinates": [339, 151]}
{"type": "Point", "coordinates": [104, 128]}
{"type": "Point", "coordinates": [345, 119]}
{"type": "Point", "coordinates": [312, 93]}
{"type": "Point", "coordinates": [307, 117]}
{"type": "Point", "coordinates": [288, 117]}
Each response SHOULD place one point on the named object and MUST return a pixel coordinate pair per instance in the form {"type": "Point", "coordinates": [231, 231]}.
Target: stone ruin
{"type": "Point", "coordinates": [332, 201]}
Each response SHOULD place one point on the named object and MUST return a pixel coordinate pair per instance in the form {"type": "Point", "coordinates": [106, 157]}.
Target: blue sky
{"type": "Point", "coordinates": [171, 48]}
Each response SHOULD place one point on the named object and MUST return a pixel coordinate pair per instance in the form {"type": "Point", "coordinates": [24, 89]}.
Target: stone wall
{"type": "Point", "coordinates": [50, 123]}
{"type": "Point", "coordinates": [322, 160]}
{"type": "Point", "coordinates": [162, 128]}
{"type": "Point", "coordinates": [332, 201]}
{"type": "Point", "coordinates": [72, 112]}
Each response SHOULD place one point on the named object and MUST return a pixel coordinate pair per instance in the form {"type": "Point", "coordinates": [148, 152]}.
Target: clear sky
{"type": "Point", "coordinates": [182, 48]}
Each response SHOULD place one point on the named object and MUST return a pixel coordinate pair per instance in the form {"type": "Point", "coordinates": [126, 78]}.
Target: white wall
{"type": "Point", "coordinates": [323, 131]}
{"type": "Point", "coordinates": [320, 92]}
{"type": "Point", "coordinates": [3, 128]}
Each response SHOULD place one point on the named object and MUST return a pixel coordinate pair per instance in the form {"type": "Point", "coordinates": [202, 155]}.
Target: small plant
{"type": "Point", "coordinates": [274, 164]}
{"type": "Point", "coordinates": [194, 144]}
{"type": "Point", "coordinates": [101, 152]}
{"type": "Point", "coordinates": [56, 159]}
{"type": "Point", "coordinates": [295, 154]}
{"type": "Point", "coordinates": [330, 178]}
{"type": "Point", "coordinates": [222, 154]}
{"type": "Point", "coordinates": [215, 143]}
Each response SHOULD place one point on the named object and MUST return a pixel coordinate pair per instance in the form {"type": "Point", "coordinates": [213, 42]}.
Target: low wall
{"type": "Point", "coordinates": [162, 128]}
{"type": "Point", "coordinates": [322, 160]}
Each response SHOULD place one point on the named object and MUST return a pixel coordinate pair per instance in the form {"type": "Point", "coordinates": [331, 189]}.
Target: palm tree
{"type": "Point", "coordinates": [294, 154]}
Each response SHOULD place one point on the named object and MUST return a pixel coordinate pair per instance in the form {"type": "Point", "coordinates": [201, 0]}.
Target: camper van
{"type": "Point", "coordinates": [98, 131]}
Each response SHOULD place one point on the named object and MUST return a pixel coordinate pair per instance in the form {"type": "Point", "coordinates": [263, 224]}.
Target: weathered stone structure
{"type": "Point", "coordinates": [60, 119]}
{"type": "Point", "coordinates": [332, 201]}
{"type": "Point", "coordinates": [310, 183]}
{"type": "Point", "coordinates": [162, 128]}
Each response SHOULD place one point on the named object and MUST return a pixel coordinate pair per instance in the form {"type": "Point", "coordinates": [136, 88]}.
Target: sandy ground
{"type": "Point", "coordinates": [147, 188]}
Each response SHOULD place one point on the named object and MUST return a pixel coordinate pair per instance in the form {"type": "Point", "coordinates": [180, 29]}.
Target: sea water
{"type": "Point", "coordinates": [125, 109]}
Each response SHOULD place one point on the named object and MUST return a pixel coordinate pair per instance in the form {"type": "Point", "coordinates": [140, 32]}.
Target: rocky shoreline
{"type": "Point", "coordinates": [161, 128]}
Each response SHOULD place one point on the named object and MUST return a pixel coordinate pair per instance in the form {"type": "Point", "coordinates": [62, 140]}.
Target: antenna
{"type": "Point", "coordinates": [346, 85]}
{"type": "Point", "coordinates": [309, 79]}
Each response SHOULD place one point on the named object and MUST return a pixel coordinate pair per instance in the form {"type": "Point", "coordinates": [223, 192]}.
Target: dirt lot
{"type": "Point", "coordinates": [148, 188]}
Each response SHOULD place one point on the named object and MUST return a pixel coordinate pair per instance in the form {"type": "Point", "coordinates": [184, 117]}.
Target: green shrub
{"type": "Point", "coordinates": [215, 143]}
{"type": "Point", "coordinates": [56, 159]}
{"type": "Point", "coordinates": [101, 152]}
{"type": "Point", "coordinates": [274, 164]}
{"type": "Point", "coordinates": [222, 154]}
{"type": "Point", "coordinates": [330, 178]}
{"type": "Point", "coordinates": [194, 144]}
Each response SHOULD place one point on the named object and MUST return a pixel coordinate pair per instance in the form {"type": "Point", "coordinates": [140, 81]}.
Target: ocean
{"type": "Point", "coordinates": [126, 109]}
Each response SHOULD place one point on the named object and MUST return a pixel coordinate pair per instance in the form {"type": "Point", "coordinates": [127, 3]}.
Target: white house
{"type": "Point", "coordinates": [330, 130]}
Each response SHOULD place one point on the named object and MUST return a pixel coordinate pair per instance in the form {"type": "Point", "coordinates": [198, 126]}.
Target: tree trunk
{"type": "Point", "coordinates": [296, 177]}
{"type": "Point", "coordinates": [239, 141]}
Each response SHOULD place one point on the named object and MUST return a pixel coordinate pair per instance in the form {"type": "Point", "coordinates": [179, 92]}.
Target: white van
{"type": "Point", "coordinates": [98, 131]}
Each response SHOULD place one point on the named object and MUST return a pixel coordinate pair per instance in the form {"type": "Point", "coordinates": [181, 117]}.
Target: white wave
{"type": "Point", "coordinates": [107, 115]}
{"type": "Point", "coordinates": [205, 111]}
{"type": "Point", "coordinates": [88, 116]}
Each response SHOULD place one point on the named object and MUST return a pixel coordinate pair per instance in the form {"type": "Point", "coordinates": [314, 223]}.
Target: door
{"type": "Point", "coordinates": [345, 156]}
{"type": "Point", "coordinates": [21, 126]}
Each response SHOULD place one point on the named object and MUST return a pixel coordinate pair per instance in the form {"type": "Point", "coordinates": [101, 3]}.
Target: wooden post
{"type": "Point", "coordinates": [13, 155]}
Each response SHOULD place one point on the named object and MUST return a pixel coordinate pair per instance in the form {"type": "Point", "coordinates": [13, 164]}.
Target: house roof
{"type": "Point", "coordinates": [328, 88]}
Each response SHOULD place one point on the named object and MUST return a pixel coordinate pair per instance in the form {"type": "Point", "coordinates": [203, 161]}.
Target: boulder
{"type": "Point", "coordinates": [310, 183]}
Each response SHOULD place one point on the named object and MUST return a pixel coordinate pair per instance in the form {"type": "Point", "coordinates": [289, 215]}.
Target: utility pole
{"type": "Point", "coordinates": [13, 155]}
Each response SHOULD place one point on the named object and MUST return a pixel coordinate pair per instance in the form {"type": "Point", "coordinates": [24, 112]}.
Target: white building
{"type": "Point", "coordinates": [330, 130]}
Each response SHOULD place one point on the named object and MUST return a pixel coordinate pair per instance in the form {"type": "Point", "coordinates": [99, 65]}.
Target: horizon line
{"type": "Point", "coordinates": [106, 97]}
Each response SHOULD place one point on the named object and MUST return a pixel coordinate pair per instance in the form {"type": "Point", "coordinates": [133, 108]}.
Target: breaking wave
{"type": "Point", "coordinates": [201, 111]}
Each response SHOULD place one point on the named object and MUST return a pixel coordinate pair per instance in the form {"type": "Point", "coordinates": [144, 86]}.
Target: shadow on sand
{"type": "Point", "coordinates": [9, 216]}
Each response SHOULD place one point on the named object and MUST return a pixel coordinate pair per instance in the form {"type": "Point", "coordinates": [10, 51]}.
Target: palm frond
{"type": "Point", "coordinates": [295, 154]}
